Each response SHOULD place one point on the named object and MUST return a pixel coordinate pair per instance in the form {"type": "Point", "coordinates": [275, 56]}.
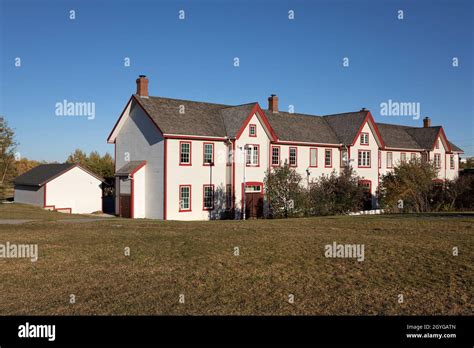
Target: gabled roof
{"type": "Point", "coordinates": [176, 116]}
{"type": "Point", "coordinates": [455, 148]}
{"type": "Point", "coordinates": [396, 136]}
{"type": "Point", "coordinates": [44, 173]}
{"type": "Point", "coordinates": [346, 125]}
{"type": "Point", "coordinates": [426, 137]}
{"type": "Point", "coordinates": [192, 118]}
{"type": "Point", "coordinates": [301, 128]}
{"type": "Point", "coordinates": [234, 117]}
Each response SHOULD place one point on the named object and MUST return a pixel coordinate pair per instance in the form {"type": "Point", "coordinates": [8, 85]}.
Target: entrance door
{"type": "Point", "coordinates": [367, 200]}
{"type": "Point", "coordinates": [254, 200]}
{"type": "Point", "coordinates": [125, 206]}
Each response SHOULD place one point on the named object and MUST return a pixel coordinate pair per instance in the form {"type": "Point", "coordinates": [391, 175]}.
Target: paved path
{"type": "Point", "coordinates": [22, 221]}
{"type": "Point", "coordinates": [13, 221]}
{"type": "Point", "coordinates": [83, 220]}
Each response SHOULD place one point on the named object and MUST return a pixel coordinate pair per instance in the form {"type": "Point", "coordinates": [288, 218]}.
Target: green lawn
{"type": "Point", "coordinates": [404, 254]}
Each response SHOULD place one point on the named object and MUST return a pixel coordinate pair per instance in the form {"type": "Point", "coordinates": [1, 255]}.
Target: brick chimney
{"type": "Point", "coordinates": [142, 86]}
{"type": "Point", "coordinates": [273, 103]}
{"type": "Point", "coordinates": [426, 122]}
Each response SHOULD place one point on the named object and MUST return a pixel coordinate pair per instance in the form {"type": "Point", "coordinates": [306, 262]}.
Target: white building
{"type": "Point", "coordinates": [60, 187]}
{"type": "Point", "coordinates": [184, 160]}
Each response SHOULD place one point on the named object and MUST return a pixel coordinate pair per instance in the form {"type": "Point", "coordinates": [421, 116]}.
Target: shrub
{"type": "Point", "coordinates": [327, 195]}
{"type": "Point", "coordinates": [335, 194]}
{"type": "Point", "coordinates": [285, 195]}
{"type": "Point", "coordinates": [411, 182]}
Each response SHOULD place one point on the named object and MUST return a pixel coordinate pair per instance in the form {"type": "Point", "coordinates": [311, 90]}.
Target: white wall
{"type": "Point", "coordinates": [139, 140]}
{"type": "Point", "coordinates": [445, 171]}
{"type": "Point", "coordinates": [252, 173]}
{"type": "Point", "coordinates": [75, 189]}
{"type": "Point", "coordinates": [29, 195]}
{"type": "Point", "coordinates": [139, 193]}
{"type": "Point", "coordinates": [196, 175]}
{"type": "Point", "coordinates": [370, 173]}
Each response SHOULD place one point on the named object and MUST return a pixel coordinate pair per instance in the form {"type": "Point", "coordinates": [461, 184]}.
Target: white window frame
{"type": "Point", "coordinates": [181, 153]}
{"type": "Point", "coordinates": [206, 198]}
{"type": "Point", "coordinates": [363, 159]}
{"type": "Point", "coordinates": [437, 160]}
{"type": "Point", "coordinates": [181, 201]}
{"type": "Point", "coordinates": [313, 157]}
{"type": "Point", "coordinates": [252, 155]}
{"type": "Point", "coordinates": [277, 156]}
{"type": "Point", "coordinates": [295, 157]}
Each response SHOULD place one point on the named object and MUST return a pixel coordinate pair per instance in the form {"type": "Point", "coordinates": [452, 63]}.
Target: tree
{"type": "Point", "coordinates": [468, 164]}
{"type": "Point", "coordinates": [101, 165]}
{"type": "Point", "coordinates": [284, 192]}
{"type": "Point", "coordinates": [7, 158]}
{"type": "Point", "coordinates": [411, 183]}
{"type": "Point", "coordinates": [78, 157]}
{"type": "Point", "coordinates": [24, 164]}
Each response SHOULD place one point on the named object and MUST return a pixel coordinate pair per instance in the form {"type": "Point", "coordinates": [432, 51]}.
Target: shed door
{"type": "Point", "coordinates": [125, 205]}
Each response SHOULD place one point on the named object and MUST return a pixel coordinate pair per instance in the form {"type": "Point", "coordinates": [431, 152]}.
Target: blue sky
{"type": "Point", "coordinates": [300, 60]}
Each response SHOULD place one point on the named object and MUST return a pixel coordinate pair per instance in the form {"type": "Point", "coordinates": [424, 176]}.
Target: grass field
{"type": "Point", "coordinates": [409, 255]}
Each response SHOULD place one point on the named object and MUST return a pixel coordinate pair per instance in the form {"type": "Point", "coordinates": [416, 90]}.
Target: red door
{"type": "Point", "coordinates": [367, 200]}
{"type": "Point", "coordinates": [125, 206]}
{"type": "Point", "coordinates": [253, 200]}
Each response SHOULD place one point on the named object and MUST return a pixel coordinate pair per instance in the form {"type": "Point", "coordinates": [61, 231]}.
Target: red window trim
{"type": "Point", "coordinates": [366, 181]}
{"type": "Point", "coordinates": [271, 155]}
{"type": "Point", "coordinates": [190, 153]}
{"type": "Point", "coordinates": [379, 158]}
{"type": "Point", "coordinates": [250, 134]}
{"type": "Point", "coordinates": [190, 198]}
{"type": "Point", "coordinates": [386, 159]}
{"type": "Point", "coordinates": [213, 196]}
{"type": "Point", "coordinates": [330, 157]}
{"type": "Point", "coordinates": [364, 144]}
{"type": "Point", "coordinates": [437, 165]}
{"type": "Point", "coordinates": [258, 156]}
{"type": "Point", "coordinates": [403, 153]}
{"type": "Point", "coordinates": [296, 156]}
{"type": "Point", "coordinates": [453, 162]}
{"type": "Point", "coordinates": [412, 156]}
{"type": "Point", "coordinates": [203, 153]}
{"type": "Point", "coordinates": [313, 148]}
{"type": "Point", "coordinates": [341, 161]}
{"type": "Point", "coordinates": [370, 159]}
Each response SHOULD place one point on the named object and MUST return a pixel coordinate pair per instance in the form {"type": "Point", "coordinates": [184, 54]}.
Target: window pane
{"type": "Point", "coordinates": [327, 158]}
{"type": "Point", "coordinates": [275, 155]}
{"type": "Point", "coordinates": [208, 150]}
{"type": "Point", "coordinates": [185, 153]}
{"type": "Point", "coordinates": [252, 130]}
{"type": "Point", "coordinates": [184, 197]}
{"type": "Point", "coordinates": [208, 197]}
{"type": "Point", "coordinates": [292, 156]}
{"type": "Point", "coordinates": [313, 157]}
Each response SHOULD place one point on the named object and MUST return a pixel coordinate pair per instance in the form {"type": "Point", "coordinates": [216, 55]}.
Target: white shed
{"type": "Point", "coordinates": [60, 187]}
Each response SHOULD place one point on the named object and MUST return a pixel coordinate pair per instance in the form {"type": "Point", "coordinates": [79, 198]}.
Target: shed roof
{"type": "Point", "coordinates": [40, 175]}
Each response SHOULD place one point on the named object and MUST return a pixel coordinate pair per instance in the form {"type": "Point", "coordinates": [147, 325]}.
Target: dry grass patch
{"type": "Point", "coordinates": [409, 255]}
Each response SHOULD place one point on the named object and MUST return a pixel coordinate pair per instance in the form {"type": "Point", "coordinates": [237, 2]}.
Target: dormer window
{"type": "Point", "coordinates": [252, 130]}
{"type": "Point", "coordinates": [364, 138]}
